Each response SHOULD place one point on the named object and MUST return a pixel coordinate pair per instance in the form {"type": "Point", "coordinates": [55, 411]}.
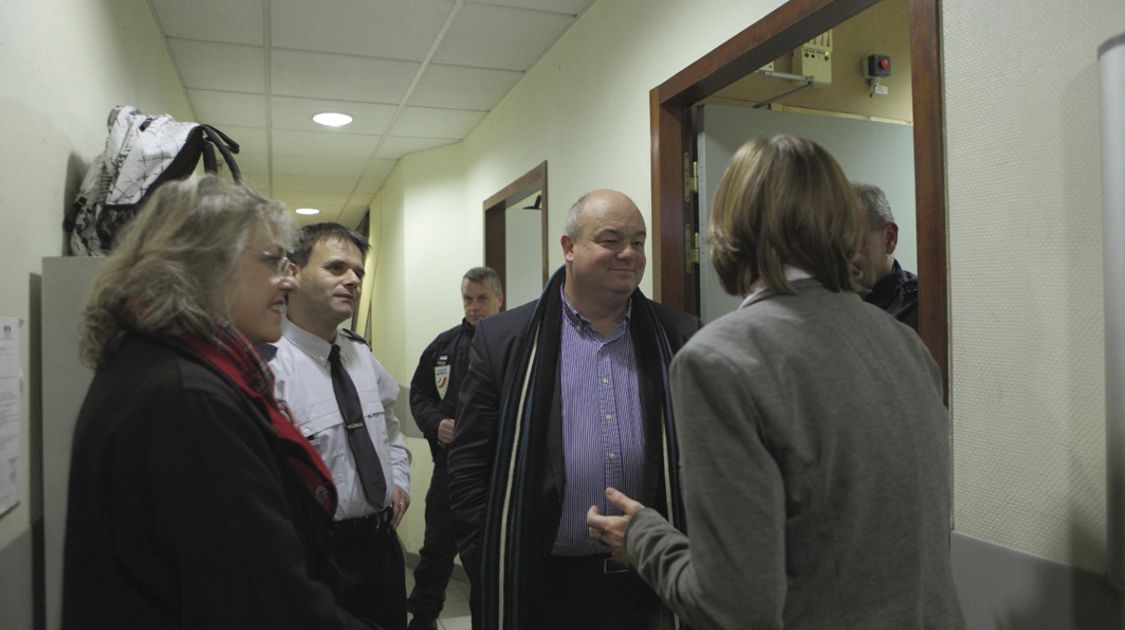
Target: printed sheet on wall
{"type": "Point", "coordinates": [9, 413]}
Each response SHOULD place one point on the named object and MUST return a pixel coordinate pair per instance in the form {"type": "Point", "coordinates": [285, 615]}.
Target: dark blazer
{"type": "Point", "coordinates": [427, 405]}
{"type": "Point", "coordinates": [492, 372]}
{"type": "Point", "coordinates": [183, 509]}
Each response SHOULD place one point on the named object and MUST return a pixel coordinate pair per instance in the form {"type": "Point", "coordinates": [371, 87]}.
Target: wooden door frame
{"type": "Point", "coordinates": [781, 31]}
{"type": "Point", "coordinates": [495, 226]}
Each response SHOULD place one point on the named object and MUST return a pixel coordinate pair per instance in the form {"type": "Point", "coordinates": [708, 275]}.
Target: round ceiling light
{"type": "Point", "coordinates": [332, 119]}
{"type": "Point", "coordinates": [308, 211]}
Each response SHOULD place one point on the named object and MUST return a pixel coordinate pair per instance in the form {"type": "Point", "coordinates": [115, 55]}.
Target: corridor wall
{"type": "Point", "coordinates": [63, 64]}
{"type": "Point", "coordinates": [1024, 241]}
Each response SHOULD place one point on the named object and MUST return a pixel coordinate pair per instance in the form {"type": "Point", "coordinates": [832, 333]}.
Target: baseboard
{"type": "Point", "coordinates": [1006, 589]}
{"type": "Point", "coordinates": [21, 580]}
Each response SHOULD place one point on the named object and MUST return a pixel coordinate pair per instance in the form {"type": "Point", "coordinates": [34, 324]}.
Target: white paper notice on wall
{"type": "Point", "coordinates": [9, 413]}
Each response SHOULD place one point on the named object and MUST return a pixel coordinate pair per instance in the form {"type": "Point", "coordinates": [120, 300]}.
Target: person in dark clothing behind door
{"type": "Point", "coordinates": [194, 502]}
{"type": "Point", "coordinates": [886, 283]}
{"type": "Point", "coordinates": [433, 401]}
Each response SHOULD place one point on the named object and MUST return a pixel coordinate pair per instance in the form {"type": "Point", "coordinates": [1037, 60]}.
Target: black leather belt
{"type": "Point", "coordinates": [378, 521]}
{"type": "Point", "coordinates": [598, 563]}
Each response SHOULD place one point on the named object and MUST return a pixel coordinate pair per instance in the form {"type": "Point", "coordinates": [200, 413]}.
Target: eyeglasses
{"type": "Point", "coordinates": [280, 263]}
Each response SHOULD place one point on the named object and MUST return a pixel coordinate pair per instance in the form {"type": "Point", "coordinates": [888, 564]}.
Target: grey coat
{"type": "Point", "coordinates": [815, 462]}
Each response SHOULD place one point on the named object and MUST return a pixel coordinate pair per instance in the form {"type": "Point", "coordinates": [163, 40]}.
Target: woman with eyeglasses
{"type": "Point", "coordinates": [193, 500]}
{"type": "Point", "coordinates": [813, 437]}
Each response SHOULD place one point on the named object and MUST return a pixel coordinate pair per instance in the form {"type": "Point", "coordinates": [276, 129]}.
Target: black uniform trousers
{"type": "Point", "coordinates": [370, 558]}
{"type": "Point", "coordinates": [439, 547]}
{"type": "Point", "coordinates": [594, 593]}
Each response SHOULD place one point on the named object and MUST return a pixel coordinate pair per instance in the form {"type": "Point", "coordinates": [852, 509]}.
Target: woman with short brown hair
{"type": "Point", "coordinates": [813, 437]}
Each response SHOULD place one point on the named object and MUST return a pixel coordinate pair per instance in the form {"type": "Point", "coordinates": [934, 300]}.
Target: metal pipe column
{"type": "Point", "coordinates": [1111, 62]}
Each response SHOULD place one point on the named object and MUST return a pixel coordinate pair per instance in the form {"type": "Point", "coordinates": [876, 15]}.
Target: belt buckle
{"type": "Point", "coordinates": [611, 566]}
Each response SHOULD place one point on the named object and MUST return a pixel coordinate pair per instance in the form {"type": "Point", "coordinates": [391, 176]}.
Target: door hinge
{"type": "Point", "coordinates": [691, 248]}
{"type": "Point", "coordinates": [691, 176]}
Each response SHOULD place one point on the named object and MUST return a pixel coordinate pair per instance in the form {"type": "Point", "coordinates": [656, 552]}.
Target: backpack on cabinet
{"type": "Point", "coordinates": [141, 153]}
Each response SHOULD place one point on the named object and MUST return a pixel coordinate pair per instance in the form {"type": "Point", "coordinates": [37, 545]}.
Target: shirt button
{"type": "Point", "coordinates": [605, 381]}
{"type": "Point", "coordinates": [608, 417]}
{"type": "Point", "coordinates": [612, 456]}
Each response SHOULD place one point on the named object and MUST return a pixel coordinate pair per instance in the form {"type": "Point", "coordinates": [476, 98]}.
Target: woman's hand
{"type": "Point", "coordinates": [609, 531]}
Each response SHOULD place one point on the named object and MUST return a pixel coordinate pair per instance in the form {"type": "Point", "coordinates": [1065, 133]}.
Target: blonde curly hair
{"type": "Point", "coordinates": [168, 273]}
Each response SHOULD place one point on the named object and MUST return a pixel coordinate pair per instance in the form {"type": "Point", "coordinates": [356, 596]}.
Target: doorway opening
{"type": "Point", "coordinates": [515, 235]}
{"type": "Point", "coordinates": [675, 203]}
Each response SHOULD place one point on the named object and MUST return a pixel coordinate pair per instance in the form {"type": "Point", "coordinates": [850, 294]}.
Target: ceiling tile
{"type": "Point", "coordinates": [301, 220]}
{"type": "Point", "coordinates": [329, 204]}
{"type": "Point", "coordinates": [395, 29]}
{"type": "Point", "coordinates": [500, 37]}
{"type": "Point", "coordinates": [254, 163]}
{"type": "Point", "coordinates": [228, 108]}
{"type": "Point", "coordinates": [431, 122]}
{"type": "Point", "coordinates": [219, 66]}
{"type": "Point", "coordinates": [355, 56]}
{"type": "Point", "coordinates": [257, 183]}
{"type": "Point", "coordinates": [296, 113]}
{"type": "Point", "coordinates": [570, 7]}
{"type": "Point", "coordinates": [353, 213]}
{"type": "Point", "coordinates": [456, 87]}
{"type": "Point", "coordinates": [249, 139]}
{"type": "Point", "coordinates": [315, 183]}
{"type": "Point", "coordinates": [329, 166]}
{"type": "Point", "coordinates": [340, 77]}
{"type": "Point", "coordinates": [368, 187]}
{"type": "Point", "coordinates": [327, 143]}
{"type": "Point", "coordinates": [230, 21]}
{"type": "Point", "coordinates": [374, 176]}
{"type": "Point", "coordinates": [394, 148]}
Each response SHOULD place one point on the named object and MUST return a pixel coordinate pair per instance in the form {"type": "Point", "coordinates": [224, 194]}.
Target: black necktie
{"type": "Point", "coordinates": [366, 459]}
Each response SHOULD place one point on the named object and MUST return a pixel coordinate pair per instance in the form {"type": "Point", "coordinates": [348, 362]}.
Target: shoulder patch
{"type": "Point", "coordinates": [356, 337]}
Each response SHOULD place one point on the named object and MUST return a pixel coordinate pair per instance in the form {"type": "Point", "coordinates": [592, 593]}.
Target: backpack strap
{"type": "Point", "coordinates": [227, 147]}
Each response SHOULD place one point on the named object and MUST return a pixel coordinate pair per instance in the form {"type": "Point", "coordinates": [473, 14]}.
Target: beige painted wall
{"type": "Point", "coordinates": [1025, 243]}
{"type": "Point", "coordinates": [416, 282]}
{"type": "Point", "coordinates": [882, 29]}
{"type": "Point", "coordinates": [64, 64]}
{"type": "Point", "coordinates": [1026, 323]}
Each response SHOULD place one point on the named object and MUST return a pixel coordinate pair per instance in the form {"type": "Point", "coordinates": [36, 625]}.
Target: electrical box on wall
{"type": "Point", "coordinates": [814, 59]}
{"type": "Point", "coordinates": [877, 66]}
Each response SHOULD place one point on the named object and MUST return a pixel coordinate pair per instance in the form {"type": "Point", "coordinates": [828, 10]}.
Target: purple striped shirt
{"type": "Point", "coordinates": [603, 431]}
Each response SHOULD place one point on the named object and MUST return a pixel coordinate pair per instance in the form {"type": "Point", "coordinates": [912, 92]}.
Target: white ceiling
{"type": "Point", "coordinates": [414, 74]}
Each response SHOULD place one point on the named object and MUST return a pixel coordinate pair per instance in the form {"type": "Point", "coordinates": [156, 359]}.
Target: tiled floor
{"type": "Point", "coordinates": [455, 614]}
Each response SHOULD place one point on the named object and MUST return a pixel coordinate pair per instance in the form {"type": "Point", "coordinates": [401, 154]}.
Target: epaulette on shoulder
{"type": "Point", "coordinates": [356, 337]}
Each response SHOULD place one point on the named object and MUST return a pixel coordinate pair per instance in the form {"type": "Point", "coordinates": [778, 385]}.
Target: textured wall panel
{"type": "Point", "coordinates": [1021, 107]}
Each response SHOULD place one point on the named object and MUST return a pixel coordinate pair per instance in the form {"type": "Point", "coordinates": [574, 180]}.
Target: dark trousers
{"type": "Point", "coordinates": [578, 593]}
{"type": "Point", "coordinates": [439, 547]}
{"type": "Point", "coordinates": [370, 558]}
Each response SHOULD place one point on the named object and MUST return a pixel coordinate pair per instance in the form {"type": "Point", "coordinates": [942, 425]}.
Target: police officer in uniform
{"type": "Point", "coordinates": [433, 401]}
{"type": "Point", "coordinates": [342, 400]}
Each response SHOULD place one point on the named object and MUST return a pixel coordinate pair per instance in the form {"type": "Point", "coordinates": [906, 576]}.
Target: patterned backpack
{"type": "Point", "coordinates": [141, 153]}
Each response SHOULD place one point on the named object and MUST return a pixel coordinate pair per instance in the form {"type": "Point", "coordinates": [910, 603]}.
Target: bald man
{"type": "Point", "coordinates": [564, 397]}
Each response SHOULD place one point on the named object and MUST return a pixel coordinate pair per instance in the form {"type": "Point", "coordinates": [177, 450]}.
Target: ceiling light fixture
{"type": "Point", "coordinates": [332, 119]}
{"type": "Point", "coordinates": [308, 211]}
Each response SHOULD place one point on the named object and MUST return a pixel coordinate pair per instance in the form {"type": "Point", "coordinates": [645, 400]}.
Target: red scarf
{"type": "Point", "coordinates": [230, 351]}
